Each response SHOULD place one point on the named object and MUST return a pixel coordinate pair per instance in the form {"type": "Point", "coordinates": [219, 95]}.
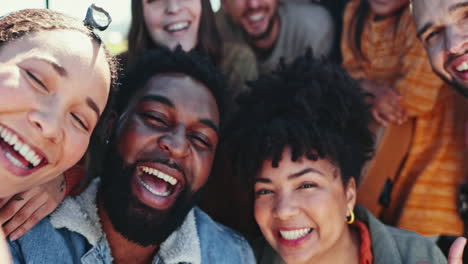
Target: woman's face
{"type": "Point", "coordinates": [173, 22]}
{"type": "Point", "coordinates": [301, 208]}
{"type": "Point", "coordinates": [54, 86]}
{"type": "Point", "coordinates": [386, 7]}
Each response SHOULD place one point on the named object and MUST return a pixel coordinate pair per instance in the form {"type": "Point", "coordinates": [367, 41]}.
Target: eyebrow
{"type": "Point", "coordinates": [57, 67]}
{"type": "Point", "coordinates": [424, 29]}
{"type": "Point", "coordinates": [209, 124]}
{"type": "Point", "coordinates": [158, 98]}
{"type": "Point", "coordinates": [457, 6]}
{"type": "Point", "coordinates": [304, 171]}
{"type": "Point", "coordinates": [451, 9]}
{"type": "Point", "coordinates": [93, 106]}
{"type": "Point", "coordinates": [292, 176]}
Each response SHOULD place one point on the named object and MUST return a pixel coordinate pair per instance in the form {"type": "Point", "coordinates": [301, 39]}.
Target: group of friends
{"type": "Point", "coordinates": [258, 134]}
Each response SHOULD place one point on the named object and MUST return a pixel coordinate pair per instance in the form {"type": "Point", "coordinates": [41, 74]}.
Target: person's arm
{"type": "Point", "coordinates": [417, 83]}
{"type": "Point", "coordinates": [4, 252]}
{"type": "Point", "coordinates": [21, 212]}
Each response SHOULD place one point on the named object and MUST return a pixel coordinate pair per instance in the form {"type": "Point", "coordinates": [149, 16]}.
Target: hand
{"type": "Point", "coordinates": [22, 211]}
{"type": "Point", "coordinates": [386, 106]}
{"type": "Point", "coordinates": [456, 251]}
{"type": "Point", "coordinates": [4, 252]}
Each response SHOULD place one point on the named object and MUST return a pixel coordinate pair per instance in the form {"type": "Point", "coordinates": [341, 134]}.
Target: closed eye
{"type": "Point", "coordinates": [153, 119]}
{"type": "Point", "coordinates": [80, 122]}
{"type": "Point", "coordinates": [202, 140]}
{"type": "Point", "coordinates": [36, 80]}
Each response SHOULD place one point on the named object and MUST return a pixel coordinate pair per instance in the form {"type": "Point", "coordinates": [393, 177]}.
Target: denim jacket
{"type": "Point", "coordinates": [73, 234]}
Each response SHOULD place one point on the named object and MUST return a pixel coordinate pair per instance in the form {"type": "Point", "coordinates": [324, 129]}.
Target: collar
{"type": "Point", "coordinates": [80, 214]}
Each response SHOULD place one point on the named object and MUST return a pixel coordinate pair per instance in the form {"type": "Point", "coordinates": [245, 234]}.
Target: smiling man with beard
{"type": "Point", "coordinates": [277, 29]}
{"type": "Point", "coordinates": [160, 155]}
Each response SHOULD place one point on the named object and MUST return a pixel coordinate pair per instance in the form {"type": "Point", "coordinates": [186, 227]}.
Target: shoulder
{"type": "Point", "coordinates": [217, 240]}
{"type": "Point", "coordinates": [413, 246]}
{"type": "Point", "coordinates": [62, 246]}
{"type": "Point", "coordinates": [393, 245]}
{"type": "Point", "coordinates": [308, 12]}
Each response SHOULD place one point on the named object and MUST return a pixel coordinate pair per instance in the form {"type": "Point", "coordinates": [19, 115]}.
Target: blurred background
{"type": "Point", "coordinates": [114, 36]}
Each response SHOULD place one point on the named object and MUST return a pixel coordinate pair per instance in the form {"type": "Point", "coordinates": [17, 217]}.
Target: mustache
{"type": "Point", "coordinates": [253, 10]}
{"type": "Point", "coordinates": [451, 57]}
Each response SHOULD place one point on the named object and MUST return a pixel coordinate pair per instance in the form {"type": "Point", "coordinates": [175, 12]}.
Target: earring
{"type": "Point", "coordinates": [351, 217]}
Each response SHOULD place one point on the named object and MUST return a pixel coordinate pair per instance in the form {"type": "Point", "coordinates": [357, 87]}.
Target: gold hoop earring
{"type": "Point", "coordinates": [350, 219]}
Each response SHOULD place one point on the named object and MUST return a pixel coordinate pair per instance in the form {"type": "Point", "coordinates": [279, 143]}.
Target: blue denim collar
{"type": "Point", "coordinates": [79, 214]}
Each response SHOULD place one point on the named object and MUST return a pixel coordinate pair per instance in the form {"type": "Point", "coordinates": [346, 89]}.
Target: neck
{"type": "Point", "coordinates": [345, 251]}
{"type": "Point", "coordinates": [123, 250]}
{"type": "Point", "coordinates": [265, 45]}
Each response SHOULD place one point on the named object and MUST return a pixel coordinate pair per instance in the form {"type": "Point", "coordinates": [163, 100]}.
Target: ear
{"type": "Point", "coordinates": [350, 192]}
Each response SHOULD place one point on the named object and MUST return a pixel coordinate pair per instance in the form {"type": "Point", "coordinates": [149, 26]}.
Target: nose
{"type": "Point", "coordinates": [454, 40]}
{"type": "Point", "coordinates": [173, 6]}
{"type": "Point", "coordinates": [175, 142]}
{"type": "Point", "coordinates": [49, 123]}
{"type": "Point", "coordinates": [285, 207]}
{"type": "Point", "coordinates": [253, 3]}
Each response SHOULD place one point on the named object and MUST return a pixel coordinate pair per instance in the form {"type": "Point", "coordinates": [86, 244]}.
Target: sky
{"type": "Point", "coordinates": [119, 9]}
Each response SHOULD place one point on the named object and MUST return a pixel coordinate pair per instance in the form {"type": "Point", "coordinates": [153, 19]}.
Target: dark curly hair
{"type": "Point", "coordinates": [163, 60]}
{"type": "Point", "coordinates": [310, 106]}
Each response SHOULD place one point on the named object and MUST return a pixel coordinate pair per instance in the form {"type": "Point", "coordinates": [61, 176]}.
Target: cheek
{"type": "Point", "coordinates": [201, 169]}
{"type": "Point", "coordinates": [74, 149]}
{"type": "Point", "coordinates": [263, 213]}
{"type": "Point", "coordinates": [153, 18]}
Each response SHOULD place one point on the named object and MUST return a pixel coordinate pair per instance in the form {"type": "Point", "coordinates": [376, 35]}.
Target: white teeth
{"type": "Point", "coordinates": [28, 154]}
{"type": "Point", "coordinates": [178, 26]}
{"type": "Point", "coordinates": [153, 191]}
{"type": "Point", "coordinates": [13, 160]}
{"type": "Point", "coordinates": [256, 17]}
{"type": "Point", "coordinates": [462, 67]}
{"type": "Point", "coordinates": [167, 178]}
{"type": "Point", "coordinates": [295, 234]}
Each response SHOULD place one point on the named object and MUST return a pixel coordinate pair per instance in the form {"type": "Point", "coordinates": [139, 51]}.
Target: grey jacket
{"type": "Point", "coordinates": [389, 245]}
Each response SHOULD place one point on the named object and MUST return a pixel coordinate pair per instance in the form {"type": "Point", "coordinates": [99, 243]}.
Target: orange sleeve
{"type": "Point", "coordinates": [418, 84]}
{"type": "Point", "coordinates": [350, 63]}
{"type": "Point", "coordinates": [73, 178]}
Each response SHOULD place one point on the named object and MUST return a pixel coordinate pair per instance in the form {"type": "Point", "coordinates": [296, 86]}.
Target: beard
{"type": "Point", "coordinates": [265, 34]}
{"type": "Point", "coordinates": [134, 220]}
{"type": "Point", "coordinates": [460, 88]}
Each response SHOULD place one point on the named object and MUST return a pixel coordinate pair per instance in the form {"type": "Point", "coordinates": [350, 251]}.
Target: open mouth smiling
{"type": "Point", "coordinates": [177, 27]}
{"type": "Point", "coordinates": [293, 237]}
{"type": "Point", "coordinates": [157, 184]}
{"type": "Point", "coordinates": [21, 158]}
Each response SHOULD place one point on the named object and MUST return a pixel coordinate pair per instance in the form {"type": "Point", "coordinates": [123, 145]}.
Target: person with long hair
{"type": "Point", "coordinates": [55, 82]}
{"type": "Point", "coordinates": [381, 49]}
{"type": "Point", "coordinates": [191, 24]}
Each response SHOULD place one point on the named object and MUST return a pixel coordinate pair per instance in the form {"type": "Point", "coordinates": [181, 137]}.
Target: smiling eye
{"type": "Point", "coordinates": [263, 192]}
{"type": "Point", "coordinates": [431, 37]}
{"type": "Point", "coordinates": [154, 119]}
{"type": "Point", "coordinates": [36, 80]}
{"type": "Point", "coordinates": [201, 140]}
{"type": "Point", "coordinates": [80, 122]}
{"type": "Point", "coordinates": [308, 186]}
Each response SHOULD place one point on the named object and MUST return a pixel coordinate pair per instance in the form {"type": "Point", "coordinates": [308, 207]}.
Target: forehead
{"type": "Point", "coordinates": [83, 59]}
{"type": "Point", "coordinates": [425, 11]}
{"type": "Point", "coordinates": [187, 95]}
{"type": "Point", "coordinates": [287, 167]}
